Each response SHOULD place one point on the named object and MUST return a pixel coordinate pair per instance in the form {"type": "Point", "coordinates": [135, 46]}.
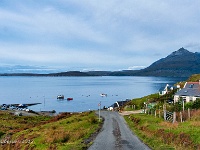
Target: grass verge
{"type": "Point", "coordinates": [161, 135]}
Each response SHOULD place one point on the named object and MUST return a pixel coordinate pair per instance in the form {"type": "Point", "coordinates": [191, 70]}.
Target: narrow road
{"type": "Point", "coordinates": [116, 135]}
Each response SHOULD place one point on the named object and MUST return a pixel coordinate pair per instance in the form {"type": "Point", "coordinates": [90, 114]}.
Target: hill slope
{"type": "Point", "coordinates": [180, 63]}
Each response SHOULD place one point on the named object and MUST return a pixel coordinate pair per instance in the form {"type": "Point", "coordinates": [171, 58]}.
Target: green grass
{"type": "Point", "coordinates": [139, 102]}
{"type": "Point", "coordinates": [194, 78]}
{"type": "Point", "coordinates": [10, 124]}
{"type": "Point", "coordinates": [62, 132]}
{"type": "Point", "coordinates": [159, 134]}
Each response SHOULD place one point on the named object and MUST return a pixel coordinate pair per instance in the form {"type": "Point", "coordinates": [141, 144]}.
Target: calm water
{"type": "Point", "coordinates": [85, 91]}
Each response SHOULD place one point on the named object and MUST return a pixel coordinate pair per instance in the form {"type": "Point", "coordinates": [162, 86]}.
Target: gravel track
{"type": "Point", "coordinates": [116, 135]}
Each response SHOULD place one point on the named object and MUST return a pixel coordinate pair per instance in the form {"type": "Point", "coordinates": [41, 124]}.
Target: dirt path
{"type": "Point", "coordinates": [123, 113]}
{"type": "Point", "coordinates": [116, 135]}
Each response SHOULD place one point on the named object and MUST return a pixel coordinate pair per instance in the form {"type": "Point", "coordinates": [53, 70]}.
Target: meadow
{"type": "Point", "coordinates": [65, 131]}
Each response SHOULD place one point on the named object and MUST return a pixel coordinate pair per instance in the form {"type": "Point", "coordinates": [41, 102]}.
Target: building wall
{"type": "Point", "coordinates": [185, 98]}
{"type": "Point", "coordinates": [176, 98]}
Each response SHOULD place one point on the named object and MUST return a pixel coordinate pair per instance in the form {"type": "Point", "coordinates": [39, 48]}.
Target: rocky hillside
{"type": "Point", "coordinates": [180, 63]}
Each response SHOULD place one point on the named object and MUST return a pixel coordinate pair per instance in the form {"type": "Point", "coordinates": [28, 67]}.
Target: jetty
{"type": "Point", "coordinates": [6, 106]}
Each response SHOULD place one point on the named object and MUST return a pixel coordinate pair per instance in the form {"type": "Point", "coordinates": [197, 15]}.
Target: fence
{"type": "Point", "coordinates": [167, 115]}
{"type": "Point", "coordinates": [172, 116]}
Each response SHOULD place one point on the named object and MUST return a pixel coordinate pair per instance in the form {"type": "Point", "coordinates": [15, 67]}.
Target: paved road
{"type": "Point", "coordinates": [116, 135]}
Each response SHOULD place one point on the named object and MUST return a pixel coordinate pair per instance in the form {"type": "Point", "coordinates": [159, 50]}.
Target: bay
{"type": "Point", "coordinates": [85, 91]}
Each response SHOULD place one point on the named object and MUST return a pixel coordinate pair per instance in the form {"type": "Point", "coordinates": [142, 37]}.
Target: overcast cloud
{"type": "Point", "coordinates": [95, 35]}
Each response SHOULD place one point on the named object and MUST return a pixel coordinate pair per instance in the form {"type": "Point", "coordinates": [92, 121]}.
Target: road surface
{"type": "Point", "coordinates": [116, 135]}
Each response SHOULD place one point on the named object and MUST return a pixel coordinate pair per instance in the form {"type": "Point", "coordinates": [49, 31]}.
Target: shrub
{"type": "Point", "coordinates": [135, 120]}
{"type": "Point", "coordinates": [93, 120]}
{"type": "Point", "coordinates": [196, 104]}
{"type": "Point", "coordinates": [1, 134]}
{"type": "Point", "coordinates": [184, 139]}
{"type": "Point", "coordinates": [65, 138]}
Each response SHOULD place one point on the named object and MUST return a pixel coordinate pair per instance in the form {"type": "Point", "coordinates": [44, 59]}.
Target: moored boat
{"type": "Point", "coordinates": [60, 97]}
{"type": "Point", "coordinates": [69, 98]}
{"type": "Point", "coordinates": [103, 94]}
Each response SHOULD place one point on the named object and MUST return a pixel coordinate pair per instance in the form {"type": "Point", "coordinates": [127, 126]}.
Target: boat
{"type": "Point", "coordinates": [103, 94]}
{"type": "Point", "coordinates": [22, 106]}
{"type": "Point", "coordinates": [60, 97]}
{"type": "Point", "coordinates": [69, 98]}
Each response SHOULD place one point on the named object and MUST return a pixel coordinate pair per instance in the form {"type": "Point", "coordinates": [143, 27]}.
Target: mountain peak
{"type": "Point", "coordinates": [180, 63]}
{"type": "Point", "coordinates": [181, 51]}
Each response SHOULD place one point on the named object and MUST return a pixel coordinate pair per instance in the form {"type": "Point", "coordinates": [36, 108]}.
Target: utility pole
{"type": "Point", "coordinates": [144, 107]}
{"type": "Point", "coordinates": [99, 110]}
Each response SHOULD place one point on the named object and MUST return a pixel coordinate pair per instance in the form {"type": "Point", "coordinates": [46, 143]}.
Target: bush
{"type": "Point", "coordinates": [1, 134]}
{"type": "Point", "coordinates": [189, 105]}
{"type": "Point", "coordinates": [65, 138]}
{"type": "Point", "coordinates": [177, 107]}
{"type": "Point", "coordinates": [196, 104]}
{"type": "Point", "coordinates": [93, 120]}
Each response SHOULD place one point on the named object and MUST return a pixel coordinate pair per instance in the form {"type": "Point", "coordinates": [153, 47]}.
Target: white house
{"type": "Point", "coordinates": [165, 90]}
{"type": "Point", "coordinates": [190, 92]}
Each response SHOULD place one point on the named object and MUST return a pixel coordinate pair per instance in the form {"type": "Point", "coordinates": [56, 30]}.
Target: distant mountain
{"type": "Point", "coordinates": [112, 73]}
{"type": "Point", "coordinates": [180, 63]}
{"type": "Point", "coordinates": [69, 73]}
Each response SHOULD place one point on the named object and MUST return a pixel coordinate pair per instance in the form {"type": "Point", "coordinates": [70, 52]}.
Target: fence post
{"type": "Point", "coordinates": [155, 113]}
{"type": "Point", "coordinates": [174, 117]}
{"type": "Point", "coordinates": [164, 111]}
{"type": "Point", "coordinates": [164, 114]}
{"type": "Point", "coordinates": [189, 113]}
{"type": "Point", "coordinates": [159, 113]}
{"type": "Point", "coordinates": [181, 117]}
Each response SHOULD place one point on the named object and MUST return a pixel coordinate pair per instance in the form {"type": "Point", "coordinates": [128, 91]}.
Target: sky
{"type": "Point", "coordinates": [84, 35]}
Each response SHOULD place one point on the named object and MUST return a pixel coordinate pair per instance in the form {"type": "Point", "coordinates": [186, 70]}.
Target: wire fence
{"type": "Point", "coordinates": [173, 116]}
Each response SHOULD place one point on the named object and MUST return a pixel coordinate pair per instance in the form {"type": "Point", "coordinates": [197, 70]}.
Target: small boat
{"type": "Point", "coordinates": [22, 106]}
{"type": "Point", "coordinates": [60, 97]}
{"type": "Point", "coordinates": [103, 94]}
{"type": "Point", "coordinates": [69, 98]}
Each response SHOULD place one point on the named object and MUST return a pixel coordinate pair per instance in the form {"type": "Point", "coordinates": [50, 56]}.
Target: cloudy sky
{"type": "Point", "coordinates": [95, 35]}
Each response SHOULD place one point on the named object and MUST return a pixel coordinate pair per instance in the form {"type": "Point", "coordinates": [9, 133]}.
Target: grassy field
{"type": "Point", "coordinates": [162, 135]}
{"type": "Point", "coordinates": [139, 102]}
{"type": "Point", "coordinates": [65, 131]}
{"type": "Point", "coordinates": [194, 78]}
{"type": "Point", "coordinates": [10, 124]}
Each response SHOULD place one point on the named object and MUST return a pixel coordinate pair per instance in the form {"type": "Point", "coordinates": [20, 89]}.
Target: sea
{"type": "Point", "coordinates": [85, 91]}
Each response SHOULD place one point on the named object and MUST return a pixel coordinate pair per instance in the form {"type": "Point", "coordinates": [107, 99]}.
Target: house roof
{"type": "Point", "coordinates": [167, 87]}
{"type": "Point", "coordinates": [190, 89]}
{"type": "Point", "coordinates": [164, 88]}
{"type": "Point", "coordinates": [120, 103]}
{"type": "Point", "coordinates": [193, 85]}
